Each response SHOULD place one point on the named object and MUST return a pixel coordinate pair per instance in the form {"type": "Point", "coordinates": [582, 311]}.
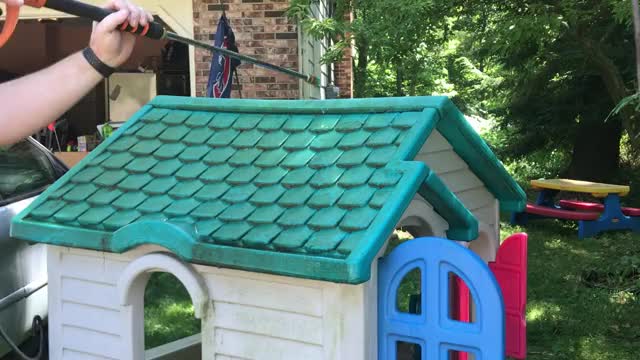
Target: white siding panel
{"type": "Point", "coordinates": [435, 143]}
{"type": "Point", "coordinates": [461, 181]}
{"type": "Point", "coordinates": [91, 268]}
{"type": "Point", "coordinates": [476, 198]}
{"type": "Point", "coordinates": [90, 293]}
{"type": "Point", "coordinates": [272, 323]}
{"type": "Point", "coordinates": [91, 317]}
{"type": "Point", "coordinates": [55, 305]}
{"type": "Point", "coordinates": [77, 355]}
{"type": "Point", "coordinates": [426, 222]}
{"type": "Point", "coordinates": [442, 162]}
{"type": "Point", "coordinates": [487, 214]}
{"type": "Point", "coordinates": [440, 157]}
{"type": "Point", "coordinates": [265, 294]}
{"type": "Point", "coordinates": [92, 342]}
{"type": "Point", "coordinates": [252, 346]}
{"type": "Point", "coordinates": [252, 316]}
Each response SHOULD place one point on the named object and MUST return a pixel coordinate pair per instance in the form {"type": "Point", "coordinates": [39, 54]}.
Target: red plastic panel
{"type": "Point", "coordinates": [587, 206]}
{"type": "Point", "coordinates": [510, 269]}
{"type": "Point", "coordinates": [561, 214]}
{"type": "Point", "coordinates": [462, 309]}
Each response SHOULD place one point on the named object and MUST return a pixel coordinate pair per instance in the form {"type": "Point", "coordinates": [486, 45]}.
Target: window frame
{"type": "Point", "coordinates": [57, 166]}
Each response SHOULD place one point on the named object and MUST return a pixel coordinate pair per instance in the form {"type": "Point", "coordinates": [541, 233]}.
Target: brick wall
{"type": "Point", "coordinates": [343, 71]}
{"type": "Point", "coordinates": [262, 31]}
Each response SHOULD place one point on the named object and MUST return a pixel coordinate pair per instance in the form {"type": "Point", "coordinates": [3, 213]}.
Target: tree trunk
{"type": "Point", "coordinates": [399, 81]}
{"type": "Point", "coordinates": [636, 26]}
{"type": "Point", "coordinates": [614, 83]}
{"type": "Point", "coordinates": [413, 82]}
{"type": "Point", "coordinates": [596, 149]}
{"type": "Point", "coordinates": [360, 69]}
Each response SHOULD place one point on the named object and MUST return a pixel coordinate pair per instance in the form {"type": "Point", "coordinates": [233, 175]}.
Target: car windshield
{"type": "Point", "coordinates": [24, 169]}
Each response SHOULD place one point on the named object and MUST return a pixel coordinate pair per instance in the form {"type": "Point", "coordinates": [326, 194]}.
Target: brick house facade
{"type": "Point", "coordinates": [343, 74]}
{"type": "Point", "coordinates": [343, 70]}
{"type": "Point", "coordinates": [262, 31]}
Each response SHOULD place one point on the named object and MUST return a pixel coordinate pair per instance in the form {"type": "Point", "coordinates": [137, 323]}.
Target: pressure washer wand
{"type": "Point", "coordinates": [153, 30]}
{"type": "Point", "coordinates": [181, 39]}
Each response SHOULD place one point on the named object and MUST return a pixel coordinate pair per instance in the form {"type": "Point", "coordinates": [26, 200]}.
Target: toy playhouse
{"type": "Point", "coordinates": [275, 215]}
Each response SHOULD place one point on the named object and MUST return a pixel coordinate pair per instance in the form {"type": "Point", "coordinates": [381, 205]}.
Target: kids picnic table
{"type": "Point", "coordinates": [592, 218]}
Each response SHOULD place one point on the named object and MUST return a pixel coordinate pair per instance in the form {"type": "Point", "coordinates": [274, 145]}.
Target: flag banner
{"type": "Point", "coordinates": [222, 67]}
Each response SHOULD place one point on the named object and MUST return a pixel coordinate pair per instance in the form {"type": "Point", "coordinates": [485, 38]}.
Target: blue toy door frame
{"type": "Point", "coordinates": [611, 219]}
{"type": "Point", "coordinates": [433, 328]}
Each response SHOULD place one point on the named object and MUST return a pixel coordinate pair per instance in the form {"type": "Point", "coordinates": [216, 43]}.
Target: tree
{"type": "Point", "coordinates": [386, 35]}
{"type": "Point", "coordinates": [565, 64]}
{"type": "Point", "coordinates": [548, 72]}
{"type": "Point", "coordinates": [341, 30]}
{"type": "Point", "coordinates": [636, 25]}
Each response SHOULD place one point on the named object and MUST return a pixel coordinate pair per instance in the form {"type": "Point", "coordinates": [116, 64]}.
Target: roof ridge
{"type": "Point", "coordinates": [285, 187]}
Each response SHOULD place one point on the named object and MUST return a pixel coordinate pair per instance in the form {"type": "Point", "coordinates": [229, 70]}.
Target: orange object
{"type": "Point", "coordinates": [146, 29]}
{"type": "Point", "coordinates": [11, 21]}
{"type": "Point", "coordinates": [71, 158]}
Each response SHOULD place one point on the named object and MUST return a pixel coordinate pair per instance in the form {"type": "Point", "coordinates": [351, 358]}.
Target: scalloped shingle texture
{"type": "Point", "coordinates": [308, 189]}
{"type": "Point", "coordinates": [294, 183]}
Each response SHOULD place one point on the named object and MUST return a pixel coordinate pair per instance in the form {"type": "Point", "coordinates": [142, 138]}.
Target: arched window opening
{"type": "Point", "coordinates": [168, 311]}
{"type": "Point", "coordinates": [163, 300]}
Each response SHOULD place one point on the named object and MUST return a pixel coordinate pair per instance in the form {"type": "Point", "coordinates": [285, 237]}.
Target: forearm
{"type": "Point", "coordinates": [33, 101]}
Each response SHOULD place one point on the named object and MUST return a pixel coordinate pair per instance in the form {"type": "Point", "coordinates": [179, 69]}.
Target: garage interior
{"type": "Point", "coordinates": [155, 68]}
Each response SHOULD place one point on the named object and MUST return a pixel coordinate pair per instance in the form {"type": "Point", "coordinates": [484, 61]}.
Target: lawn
{"type": "Point", "coordinates": [584, 296]}
{"type": "Point", "coordinates": [168, 311]}
{"type": "Point", "coordinates": [583, 299]}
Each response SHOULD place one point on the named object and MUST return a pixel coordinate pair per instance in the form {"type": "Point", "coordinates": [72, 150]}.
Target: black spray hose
{"type": "Point", "coordinates": [37, 328]}
{"type": "Point", "coordinates": [155, 30]}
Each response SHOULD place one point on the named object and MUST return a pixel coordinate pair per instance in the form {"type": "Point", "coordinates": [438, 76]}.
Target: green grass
{"type": "Point", "coordinates": [583, 299]}
{"type": "Point", "coordinates": [168, 311]}
{"type": "Point", "coordinates": [584, 296]}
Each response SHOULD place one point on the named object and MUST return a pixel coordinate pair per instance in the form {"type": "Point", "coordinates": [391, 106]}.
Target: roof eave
{"type": "Point", "coordinates": [463, 226]}
{"type": "Point", "coordinates": [359, 262]}
{"type": "Point", "coordinates": [477, 154]}
{"type": "Point", "coordinates": [59, 235]}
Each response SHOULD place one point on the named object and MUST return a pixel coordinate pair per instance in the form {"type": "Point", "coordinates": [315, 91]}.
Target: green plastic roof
{"type": "Point", "coordinates": [302, 188]}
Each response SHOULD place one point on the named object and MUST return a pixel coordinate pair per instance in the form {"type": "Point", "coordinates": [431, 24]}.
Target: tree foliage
{"type": "Point", "coordinates": [548, 73]}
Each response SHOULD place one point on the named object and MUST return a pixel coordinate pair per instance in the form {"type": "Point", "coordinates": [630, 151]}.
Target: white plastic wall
{"type": "Point", "coordinates": [258, 316]}
{"type": "Point", "coordinates": [423, 220]}
{"type": "Point", "coordinates": [250, 315]}
{"type": "Point", "coordinates": [438, 154]}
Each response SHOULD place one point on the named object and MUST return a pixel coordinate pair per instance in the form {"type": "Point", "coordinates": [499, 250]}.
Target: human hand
{"type": "Point", "coordinates": [13, 2]}
{"type": "Point", "coordinates": [110, 45]}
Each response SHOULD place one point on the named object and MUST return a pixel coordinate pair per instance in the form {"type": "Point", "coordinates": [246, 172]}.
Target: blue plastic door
{"type": "Point", "coordinates": [432, 329]}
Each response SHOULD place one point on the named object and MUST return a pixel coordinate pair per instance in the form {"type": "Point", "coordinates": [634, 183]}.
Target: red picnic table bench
{"type": "Point", "coordinates": [592, 218]}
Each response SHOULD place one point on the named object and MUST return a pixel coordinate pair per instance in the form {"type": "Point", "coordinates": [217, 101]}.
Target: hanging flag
{"type": "Point", "coordinates": [222, 67]}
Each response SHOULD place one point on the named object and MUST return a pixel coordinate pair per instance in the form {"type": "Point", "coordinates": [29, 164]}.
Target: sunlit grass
{"type": "Point", "coordinates": [168, 311]}
{"type": "Point", "coordinates": [541, 311]}
{"type": "Point", "coordinates": [583, 299]}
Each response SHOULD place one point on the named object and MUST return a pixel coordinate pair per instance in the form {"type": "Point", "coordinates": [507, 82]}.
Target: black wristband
{"type": "Point", "coordinates": [102, 68]}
